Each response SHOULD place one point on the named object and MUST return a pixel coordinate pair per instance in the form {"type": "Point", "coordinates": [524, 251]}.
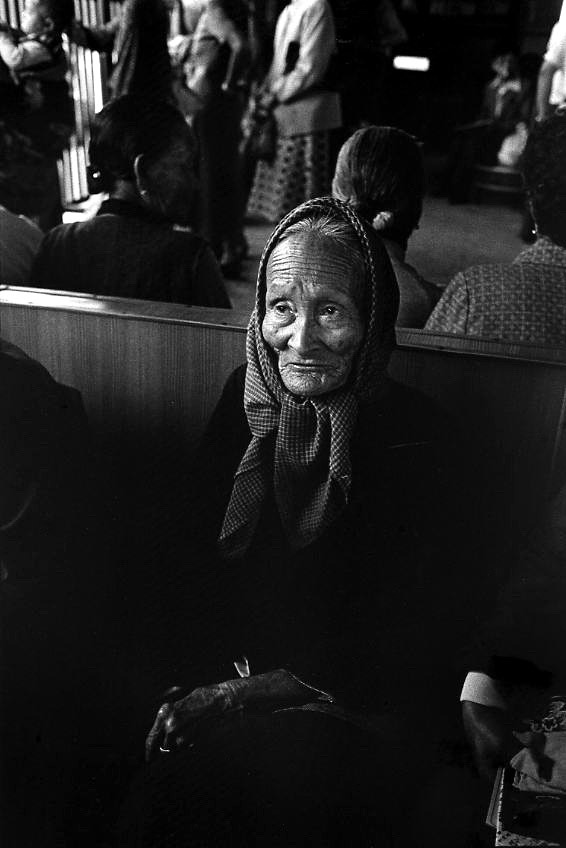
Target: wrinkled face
{"type": "Point", "coordinates": [312, 320]}
{"type": "Point", "coordinates": [33, 18]}
{"type": "Point", "coordinates": [171, 182]}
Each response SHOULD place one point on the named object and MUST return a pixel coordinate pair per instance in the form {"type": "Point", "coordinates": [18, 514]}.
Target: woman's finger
{"type": "Point", "coordinates": [157, 736]}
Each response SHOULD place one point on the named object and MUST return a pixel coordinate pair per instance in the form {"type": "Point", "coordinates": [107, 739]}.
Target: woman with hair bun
{"type": "Point", "coordinates": [139, 244]}
{"type": "Point", "coordinates": [380, 174]}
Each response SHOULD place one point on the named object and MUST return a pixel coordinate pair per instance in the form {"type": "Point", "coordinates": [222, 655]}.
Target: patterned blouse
{"type": "Point", "coordinates": [521, 302]}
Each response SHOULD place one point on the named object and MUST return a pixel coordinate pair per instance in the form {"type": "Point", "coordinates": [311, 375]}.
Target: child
{"type": "Point", "coordinates": [36, 111]}
{"type": "Point", "coordinates": [36, 50]}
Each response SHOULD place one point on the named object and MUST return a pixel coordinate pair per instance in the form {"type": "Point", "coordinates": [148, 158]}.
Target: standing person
{"type": "Point", "coordinates": [217, 61]}
{"type": "Point", "coordinates": [138, 37]}
{"type": "Point", "coordinates": [36, 111]}
{"type": "Point", "coordinates": [305, 112]}
{"type": "Point", "coordinates": [551, 88]}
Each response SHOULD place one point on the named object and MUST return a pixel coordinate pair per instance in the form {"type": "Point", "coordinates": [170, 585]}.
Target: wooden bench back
{"type": "Point", "coordinates": [150, 374]}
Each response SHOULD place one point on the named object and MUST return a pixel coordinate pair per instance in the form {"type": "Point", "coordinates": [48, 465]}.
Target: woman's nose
{"type": "Point", "coordinates": [304, 337]}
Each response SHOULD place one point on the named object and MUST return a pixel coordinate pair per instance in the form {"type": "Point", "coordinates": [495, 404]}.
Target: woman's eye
{"type": "Point", "coordinates": [330, 310]}
{"type": "Point", "coordinates": [282, 308]}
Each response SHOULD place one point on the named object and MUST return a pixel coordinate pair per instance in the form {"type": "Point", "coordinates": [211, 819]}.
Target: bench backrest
{"type": "Point", "coordinates": [150, 374]}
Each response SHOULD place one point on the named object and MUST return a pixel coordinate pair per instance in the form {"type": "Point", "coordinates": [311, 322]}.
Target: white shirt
{"type": "Point", "coordinates": [310, 24]}
{"type": "Point", "coordinates": [556, 55]}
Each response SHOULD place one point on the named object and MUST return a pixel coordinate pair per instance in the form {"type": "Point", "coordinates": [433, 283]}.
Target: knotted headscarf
{"type": "Point", "coordinates": [309, 467]}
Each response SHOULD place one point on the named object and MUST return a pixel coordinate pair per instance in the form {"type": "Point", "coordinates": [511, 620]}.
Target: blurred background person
{"type": "Point", "coordinates": [478, 143]}
{"type": "Point", "coordinates": [526, 300]}
{"type": "Point", "coordinates": [304, 110]}
{"type": "Point", "coordinates": [380, 174]}
{"type": "Point", "coordinates": [137, 35]}
{"type": "Point", "coordinates": [36, 110]}
{"type": "Point", "coordinates": [551, 89]}
{"type": "Point", "coordinates": [139, 244]}
{"type": "Point", "coordinates": [215, 68]}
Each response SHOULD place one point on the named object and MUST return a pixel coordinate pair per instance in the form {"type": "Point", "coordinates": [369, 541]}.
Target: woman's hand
{"type": "Point", "coordinates": [275, 689]}
{"type": "Point", "coordinates": [172, 719]}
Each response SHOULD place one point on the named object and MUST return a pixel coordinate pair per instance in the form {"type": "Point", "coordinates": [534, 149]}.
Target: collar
{"type": "Point", "coordinates": [129, 209]}
{"type": "Point", "coordinates": [543, 252]}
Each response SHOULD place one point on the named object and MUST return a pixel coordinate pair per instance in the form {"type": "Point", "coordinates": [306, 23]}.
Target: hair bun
{"type": "Point", "coordinates": [383, 220]}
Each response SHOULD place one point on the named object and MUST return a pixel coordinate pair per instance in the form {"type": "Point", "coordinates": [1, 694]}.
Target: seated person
{"type": "Point", "coordinates": [526, 300]}
{"type": "Point", "coordinates": [51, 574]}
{"type": "Point", "coordinates": [36, 111]}
{"type": "Point", "coordinates": [19, 243]}
{"type": "Point", "coordinates": [139, 244]}
{"type": "Point", "coordinates": [380, 174]}
{"type": "Point", "coordinates": [514, 702]}
{"type": "Point", "coordinates": [307, 545]}
{"type": "Point", "coordinates": [503, 107]}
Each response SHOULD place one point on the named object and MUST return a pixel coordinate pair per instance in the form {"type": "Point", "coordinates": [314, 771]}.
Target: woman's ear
{"type": "Point", "coordinates": [140, 174]}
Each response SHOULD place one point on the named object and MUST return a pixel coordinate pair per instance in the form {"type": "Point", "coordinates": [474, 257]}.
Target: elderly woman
{"type": "Point", "coordinates": [139, 244]}
{"type": "Point", "coordinates": [380, 174]}
{"type": "Point", "coordinates": [309, 541]}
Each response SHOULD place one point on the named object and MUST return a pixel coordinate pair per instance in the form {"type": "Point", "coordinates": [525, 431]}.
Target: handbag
{"type": "Point", "coordinates": [259, 132]}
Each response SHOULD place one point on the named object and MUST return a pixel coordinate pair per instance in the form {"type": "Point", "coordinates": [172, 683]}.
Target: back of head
{"type": "Point", "coordinates": [129, 127]}
{"type": "Point", "coordinates": [380, 174]}
{"type": "Point", "coordinates": [544, 176]}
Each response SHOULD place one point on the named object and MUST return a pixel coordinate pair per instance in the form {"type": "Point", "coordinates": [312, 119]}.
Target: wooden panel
{"type": "Point", "coordinates": [151, 373]}
{"type": "Point", "coordinates": [140, 374]}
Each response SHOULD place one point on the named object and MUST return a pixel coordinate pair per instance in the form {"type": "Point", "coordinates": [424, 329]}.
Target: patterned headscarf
{"type": "Point", "coordinates": [309, 468]}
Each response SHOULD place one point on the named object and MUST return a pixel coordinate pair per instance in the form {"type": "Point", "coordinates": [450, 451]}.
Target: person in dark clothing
{"type": "Point", "coordinates": [310, 570]}
{"type": "Point", "coordinates": [137, 36]}
{"type": "Point", "coordinates": [215, 68]}
{"type": "Point", "coordinates": [55, 603]}
{"type": "Point", "coordinates": [139, 244]}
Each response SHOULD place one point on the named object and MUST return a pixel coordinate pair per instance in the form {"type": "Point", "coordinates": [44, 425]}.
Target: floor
{"type": "Point", "coordinates": [450, 238]}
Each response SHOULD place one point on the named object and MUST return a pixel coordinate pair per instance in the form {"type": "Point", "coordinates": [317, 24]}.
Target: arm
{"type": "Point", "coordinates": [452, 311]}
{"type": "Point", "coordinates": [99, 38]}
{"type": "Point", "coordinates": [553, 60]}
{"type": "Point", "coordinates": [19, 56]}
{"type": "Point", "coordinates": [544, 87]}
{"type": "Point", "coordinates": [317, 43]}
{"type": "Point", "coordinates": [223, 29]}
{"type": "Point", "coordinates": [490, 736]}
{"type": "Point", "coordinates": [274, 689]}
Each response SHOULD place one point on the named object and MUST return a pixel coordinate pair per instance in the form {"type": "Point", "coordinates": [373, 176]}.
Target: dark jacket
{"type": "Point", "coordinates": [127, 252]}
{"type": "Point", "coordinates": [356, 613]}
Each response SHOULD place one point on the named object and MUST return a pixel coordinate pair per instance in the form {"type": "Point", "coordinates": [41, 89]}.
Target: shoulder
{"type": "Point", "coordinates": [16, 227]}
{"type": "Point", "coordinates": [28, 391]}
